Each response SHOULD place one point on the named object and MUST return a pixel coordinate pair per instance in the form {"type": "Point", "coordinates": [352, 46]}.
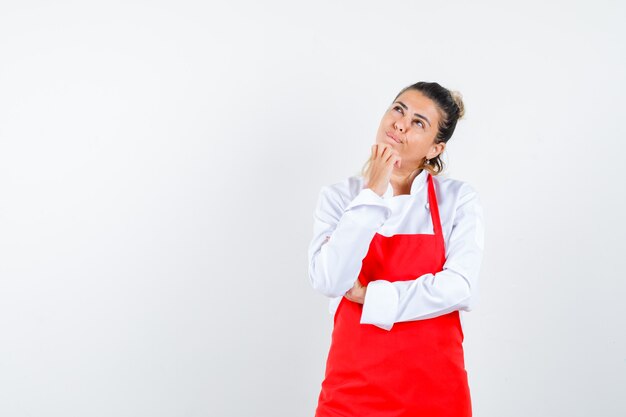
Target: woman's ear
{"type": "Point", "coordinates": [436, 150]}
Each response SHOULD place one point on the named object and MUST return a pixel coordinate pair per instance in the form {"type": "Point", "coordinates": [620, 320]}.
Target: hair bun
{"type": "Point", "coordinates": [458, 100]}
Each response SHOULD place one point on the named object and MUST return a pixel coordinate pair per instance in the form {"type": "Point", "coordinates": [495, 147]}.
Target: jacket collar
{"type": "Point", "coordinates": [416, 186]}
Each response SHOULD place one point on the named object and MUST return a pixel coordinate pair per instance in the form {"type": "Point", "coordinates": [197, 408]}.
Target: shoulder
{"type": "Point", "coordinates": [452, 186]}
{"type": "Point", "coordinates": [341, 193]}
{"type": "Point", "coordinates": [454, 189]}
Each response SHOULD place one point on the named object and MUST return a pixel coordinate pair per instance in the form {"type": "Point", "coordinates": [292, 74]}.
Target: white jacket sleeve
{"type": "Point", "coordinates": [341, 238]}
{"type": "Point", "coordinates": [432, 295]}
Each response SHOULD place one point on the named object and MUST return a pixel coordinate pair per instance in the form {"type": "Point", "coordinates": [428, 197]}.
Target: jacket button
{"type": "Point", "coordinates": [427, 206]}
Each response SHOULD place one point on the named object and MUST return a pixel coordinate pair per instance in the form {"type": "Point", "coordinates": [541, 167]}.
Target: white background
{"type": "Point", "coordinates": [160, 163]}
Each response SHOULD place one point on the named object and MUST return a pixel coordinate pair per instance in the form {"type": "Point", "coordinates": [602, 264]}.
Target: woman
{"type": "Point", "coordinates": [398, 249]}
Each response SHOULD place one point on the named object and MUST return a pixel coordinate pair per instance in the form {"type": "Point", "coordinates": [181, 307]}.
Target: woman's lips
{"type": "Point", "coordinates": [394, 139]}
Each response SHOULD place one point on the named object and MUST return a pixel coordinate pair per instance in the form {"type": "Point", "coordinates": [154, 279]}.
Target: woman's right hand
{"type": "Point", "coordinates": [382, 161]}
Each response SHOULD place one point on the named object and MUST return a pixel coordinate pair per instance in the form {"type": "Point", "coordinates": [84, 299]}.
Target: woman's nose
{"type": "Point", "coordinates": [399, 126]}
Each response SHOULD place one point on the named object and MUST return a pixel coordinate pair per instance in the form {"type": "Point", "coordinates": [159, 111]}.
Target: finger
{"type": "Point", "coordinates": [385, 151]}
{"type": "Point", "coordinates": [374, 147]}
{"type": "Point", "coordinates": [390, 158]}
{"type": "Point", "coordinates": [395, 155]}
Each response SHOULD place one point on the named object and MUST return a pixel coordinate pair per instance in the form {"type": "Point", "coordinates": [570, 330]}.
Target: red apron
{"type": "Point", "coordinates": [417, 368]}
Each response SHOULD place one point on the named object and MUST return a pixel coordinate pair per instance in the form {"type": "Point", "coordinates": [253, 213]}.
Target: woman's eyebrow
{"type": "Point", "coordinates": [417, 114]}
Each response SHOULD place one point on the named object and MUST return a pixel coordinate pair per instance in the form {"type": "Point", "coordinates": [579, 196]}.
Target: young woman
{"type": "Point", "coordinates": [398, 250]}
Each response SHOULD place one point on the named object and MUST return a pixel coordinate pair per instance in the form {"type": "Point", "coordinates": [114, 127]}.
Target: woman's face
{"type": "Point", "coordinates": [410, 125]}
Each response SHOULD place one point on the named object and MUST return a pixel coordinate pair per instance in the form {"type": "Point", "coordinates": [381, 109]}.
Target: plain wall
{"type": "Point", "coordinates": [160, 163]}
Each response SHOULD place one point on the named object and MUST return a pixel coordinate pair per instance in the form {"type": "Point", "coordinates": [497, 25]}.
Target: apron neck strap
{"type": "Point", "coordinates": [434, 207]}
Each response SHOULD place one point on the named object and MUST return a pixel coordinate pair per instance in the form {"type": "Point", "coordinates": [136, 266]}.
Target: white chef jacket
{"type": "Point", "coordinates": [347, 217]}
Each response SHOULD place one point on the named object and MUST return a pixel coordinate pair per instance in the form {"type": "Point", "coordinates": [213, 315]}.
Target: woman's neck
{"type": "Point", "coordinates": [402, 182]}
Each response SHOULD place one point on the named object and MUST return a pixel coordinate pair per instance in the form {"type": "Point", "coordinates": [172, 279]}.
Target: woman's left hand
{"type": "Point", "coordinates": [356, 293]}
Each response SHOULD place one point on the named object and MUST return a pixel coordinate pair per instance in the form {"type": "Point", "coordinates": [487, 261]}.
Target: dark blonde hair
{"type": "Point", "coordinates": [450, 107]}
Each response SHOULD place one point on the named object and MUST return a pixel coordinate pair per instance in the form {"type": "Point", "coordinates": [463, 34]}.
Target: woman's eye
{"type": "Point", "coordinates": [398, 108]}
